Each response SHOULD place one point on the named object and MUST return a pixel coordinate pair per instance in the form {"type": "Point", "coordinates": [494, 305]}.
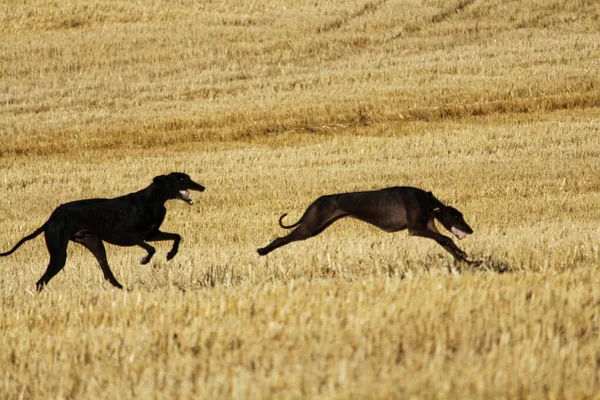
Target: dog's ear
{"type": "Point", "coordinates": [160, 179]}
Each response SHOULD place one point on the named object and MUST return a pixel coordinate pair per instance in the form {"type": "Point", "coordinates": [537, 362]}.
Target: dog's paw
{"type": "Point", "coordinates": [145, 260]}
{"type": "Point", "coordinates": [475, 263]}
{"type": "Point", "coordinates": [170, 255]}
{"type": "Point", "coordinates": [464, 262]}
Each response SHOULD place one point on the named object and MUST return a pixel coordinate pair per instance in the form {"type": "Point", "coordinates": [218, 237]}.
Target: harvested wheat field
{"type": "Point", "coordinates": [494, 106]}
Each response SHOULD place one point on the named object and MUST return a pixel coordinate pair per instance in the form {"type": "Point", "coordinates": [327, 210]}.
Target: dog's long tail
{"type": "Point", "coordinates": [26, 238]}
{"type": "Point", "coordinates": [288, 226]}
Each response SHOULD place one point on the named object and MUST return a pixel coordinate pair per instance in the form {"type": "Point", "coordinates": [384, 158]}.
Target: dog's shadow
{"type": "Point", "coordinates": [492, 265]}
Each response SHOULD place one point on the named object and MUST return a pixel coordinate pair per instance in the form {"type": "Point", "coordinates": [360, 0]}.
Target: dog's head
{"type": "Point", "coordinates": [177, 185]}
{"type": "Point", "coordinates": [453, 220]}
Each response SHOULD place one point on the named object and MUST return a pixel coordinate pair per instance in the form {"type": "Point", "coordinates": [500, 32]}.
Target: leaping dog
{"type": "Point", "coordinates": [130, 220]}
{"type": "Point", "coordinates": [391, 209]}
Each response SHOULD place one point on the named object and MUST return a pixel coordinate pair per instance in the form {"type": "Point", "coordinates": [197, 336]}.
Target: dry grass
{"type": "Point", "coordinates": [492, 105]}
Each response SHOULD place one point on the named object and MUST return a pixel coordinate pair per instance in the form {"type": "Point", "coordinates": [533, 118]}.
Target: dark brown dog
{"type": "Point", "coordinates": [130, 220]}
{"type": "Point", "coordinates": [392, 209]}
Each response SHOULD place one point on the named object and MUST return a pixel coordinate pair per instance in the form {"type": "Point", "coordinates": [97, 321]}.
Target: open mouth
{"type": "Point", "coordinates": [185, 196]}
{"type": "Point", "coordinates": [458, 233]}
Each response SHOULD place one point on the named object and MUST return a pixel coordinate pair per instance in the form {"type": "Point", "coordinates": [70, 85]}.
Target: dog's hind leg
{"type": "Point", "coordinates": [318, 217]}
{"type": "Point", "coordinates": [94, 244]}
{"type": "Point", "coordinates": [295, 235]}
{"type": "Point", "coordinates": [56, 242]}
{"type": "Point", "coordinates": [158, 236]}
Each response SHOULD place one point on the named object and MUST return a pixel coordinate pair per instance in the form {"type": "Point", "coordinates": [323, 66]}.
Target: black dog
{"type": "Point", "coordinates": [392, 209]}
{"type": "Point", "coordinates": [130, 220]}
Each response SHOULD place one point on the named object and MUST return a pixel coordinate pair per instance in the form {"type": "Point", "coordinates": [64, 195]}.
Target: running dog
{"type": "Point", "coordinates": [130, 220]}
{"type": "Point", "coordinates": [391, 209]}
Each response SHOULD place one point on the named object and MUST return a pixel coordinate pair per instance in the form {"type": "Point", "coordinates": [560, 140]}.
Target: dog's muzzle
{"type": "Point", "coordinates": [185, 196]}
{"type": "Point", "coordinates": [458, 233]}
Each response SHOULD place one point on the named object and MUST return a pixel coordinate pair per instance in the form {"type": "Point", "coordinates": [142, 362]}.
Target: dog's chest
{"type": "Point", "coordinates": [153, 227]}
{"type": "Point", "coordinates": [152, 220]}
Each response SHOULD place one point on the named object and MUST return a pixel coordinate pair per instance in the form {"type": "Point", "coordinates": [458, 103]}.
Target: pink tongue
{"type": "Point", "coordinates": [459, 234]}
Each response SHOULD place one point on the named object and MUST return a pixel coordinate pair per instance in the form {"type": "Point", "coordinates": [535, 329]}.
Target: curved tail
{"type": "Point", "coordinates": [288, 226]}
{"type": "Point", "coordinates": [25, 239]}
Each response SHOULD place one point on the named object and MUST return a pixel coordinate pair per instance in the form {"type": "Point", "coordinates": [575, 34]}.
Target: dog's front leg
{"type": "Point", "coordinates": [158, 236]}
{"type": "Point", "coordinates": [132, 239]}
{"type": "Point", "coordinates": [443, 241]}
{"type": "Point", "coordinates": [151, 250]}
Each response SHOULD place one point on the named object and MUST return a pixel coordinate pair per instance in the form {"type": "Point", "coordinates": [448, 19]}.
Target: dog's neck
{"type": "Point", "coordinates": [155, 193]}
{"type": "Point", "coordinates": [435, 203]}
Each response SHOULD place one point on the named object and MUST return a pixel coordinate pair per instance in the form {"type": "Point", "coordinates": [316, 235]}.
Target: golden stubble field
{"type": "Point", "coordinates": [492, 105]}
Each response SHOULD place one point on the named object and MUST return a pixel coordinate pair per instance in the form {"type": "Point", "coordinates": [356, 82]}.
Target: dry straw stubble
{"type": "Point", "coordinates": [492, 105]}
